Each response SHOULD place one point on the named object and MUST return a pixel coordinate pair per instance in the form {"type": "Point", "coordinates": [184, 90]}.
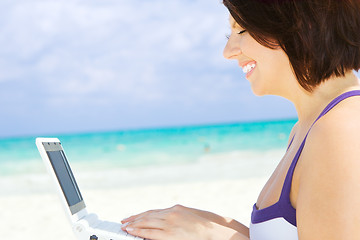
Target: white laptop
{"type": "Point", "coordinates": [86, 226]}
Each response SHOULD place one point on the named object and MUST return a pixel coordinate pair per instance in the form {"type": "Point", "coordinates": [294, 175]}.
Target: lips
{"type": "Point", "coordinates": [248, 67]}
{"type": "Point", "coordinates": [243, 64]}
{"type": "Point", "coordinates": [250, 72]}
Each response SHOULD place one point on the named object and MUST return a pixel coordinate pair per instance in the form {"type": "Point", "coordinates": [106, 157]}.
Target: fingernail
{"type": "Point", "coordinates": [129, 229]}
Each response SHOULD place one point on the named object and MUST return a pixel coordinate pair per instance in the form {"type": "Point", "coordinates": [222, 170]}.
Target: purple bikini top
{"type": "Point", "coordinates": [283, 207]}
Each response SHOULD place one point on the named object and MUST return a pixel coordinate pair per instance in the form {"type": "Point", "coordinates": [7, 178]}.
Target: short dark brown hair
{"type": "Point", "coordinates": [320, 37]}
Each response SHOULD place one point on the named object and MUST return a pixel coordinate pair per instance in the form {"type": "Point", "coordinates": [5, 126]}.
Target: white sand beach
{"type": "Point", "coordinates": [30, 207]}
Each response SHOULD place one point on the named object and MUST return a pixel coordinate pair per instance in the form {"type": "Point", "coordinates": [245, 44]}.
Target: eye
{"type": "Point", "coordinates": [228, 35]}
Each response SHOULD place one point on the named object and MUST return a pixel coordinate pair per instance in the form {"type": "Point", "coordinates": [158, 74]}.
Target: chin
{"type": "Point", "coordinates": [259, 91]}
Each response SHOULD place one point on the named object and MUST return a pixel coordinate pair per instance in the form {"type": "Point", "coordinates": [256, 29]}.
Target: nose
{"type": "Point", "coordinates": [231, 50]}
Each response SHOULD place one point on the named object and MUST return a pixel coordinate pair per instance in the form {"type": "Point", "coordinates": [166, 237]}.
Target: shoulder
{"type": "Point", "coordinates": [330, 175]}
{"type": "Point", "coordinates": [339, 129]}
{"type": "Point", "coordinates": [335, 138]}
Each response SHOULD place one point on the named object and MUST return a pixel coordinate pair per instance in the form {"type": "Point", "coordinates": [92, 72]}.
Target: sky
{"type": "Point", "coordinates": [74, 66]}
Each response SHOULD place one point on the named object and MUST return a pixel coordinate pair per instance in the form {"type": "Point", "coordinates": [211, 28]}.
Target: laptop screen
{"type": "Point", "coordinates": [66, 180]}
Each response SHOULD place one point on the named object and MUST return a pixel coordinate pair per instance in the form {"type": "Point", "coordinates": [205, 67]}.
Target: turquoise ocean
{"type": "Point", "coordinates": [147, 147]}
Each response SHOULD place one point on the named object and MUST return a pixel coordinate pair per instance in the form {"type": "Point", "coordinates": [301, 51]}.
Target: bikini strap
{"type": "Point", "coordinates": [285, 192]}
{"type": "Point", "coordinates": [292, 139]}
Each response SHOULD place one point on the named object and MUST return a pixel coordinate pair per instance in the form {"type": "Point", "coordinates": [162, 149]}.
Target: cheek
{"type": "Point", "coordinates": [272, 76]}
{"type": "Point", "coordinates": [275, 62]}
{"type": "Point", "coordinates": [250, 47]}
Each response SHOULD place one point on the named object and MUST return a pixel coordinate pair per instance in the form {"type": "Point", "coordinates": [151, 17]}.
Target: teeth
{"type": "Point", "coordinates": [248, 68]}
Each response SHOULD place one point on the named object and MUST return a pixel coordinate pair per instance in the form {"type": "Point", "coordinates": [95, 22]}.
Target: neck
{"type": "Point", "coordinates": [309, 105]}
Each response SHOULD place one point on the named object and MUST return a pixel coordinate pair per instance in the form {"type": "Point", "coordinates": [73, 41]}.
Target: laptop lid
{"type": "Point", "coordinates": [59, 169]}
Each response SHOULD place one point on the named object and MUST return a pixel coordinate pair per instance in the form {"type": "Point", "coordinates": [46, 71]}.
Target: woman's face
{"type": "Point", "coordinates": [267, 70]}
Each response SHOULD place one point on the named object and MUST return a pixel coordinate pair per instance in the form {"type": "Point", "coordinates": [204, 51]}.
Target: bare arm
{"type": "Point", "coordinates": [227, 222]}
{"type": "Point", "coordinates": [329, 192]}
{"type": "Point", "coordinates": [181, 223]}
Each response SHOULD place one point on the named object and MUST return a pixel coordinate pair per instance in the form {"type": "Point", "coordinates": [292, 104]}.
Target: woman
{"type": "Point", "coordinates": [305, 51]}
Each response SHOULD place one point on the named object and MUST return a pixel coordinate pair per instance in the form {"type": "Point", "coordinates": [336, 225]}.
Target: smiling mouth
{"type": "Point", "coordinates": [248, 68]}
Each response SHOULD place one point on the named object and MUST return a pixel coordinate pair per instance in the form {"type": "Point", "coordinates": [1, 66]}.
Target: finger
{"type": "Point", "coordinates": [150, 212]}
{"type": "Point", "coordinates": [154, 234]}
{"type": "Point", "coordinates": [159, 213]}
{"type": "Point", "coordinates": [146, 223]}
{"type": "Point", "coordinates": [134, 217]}
{"type": "Point", "coordinates": [150, 222]}
{"type": "Point", "coordinates": [129, 219]}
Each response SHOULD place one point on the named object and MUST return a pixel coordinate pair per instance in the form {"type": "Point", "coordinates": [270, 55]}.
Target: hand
{"type": "Point", "coordinates": [176, 223]}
